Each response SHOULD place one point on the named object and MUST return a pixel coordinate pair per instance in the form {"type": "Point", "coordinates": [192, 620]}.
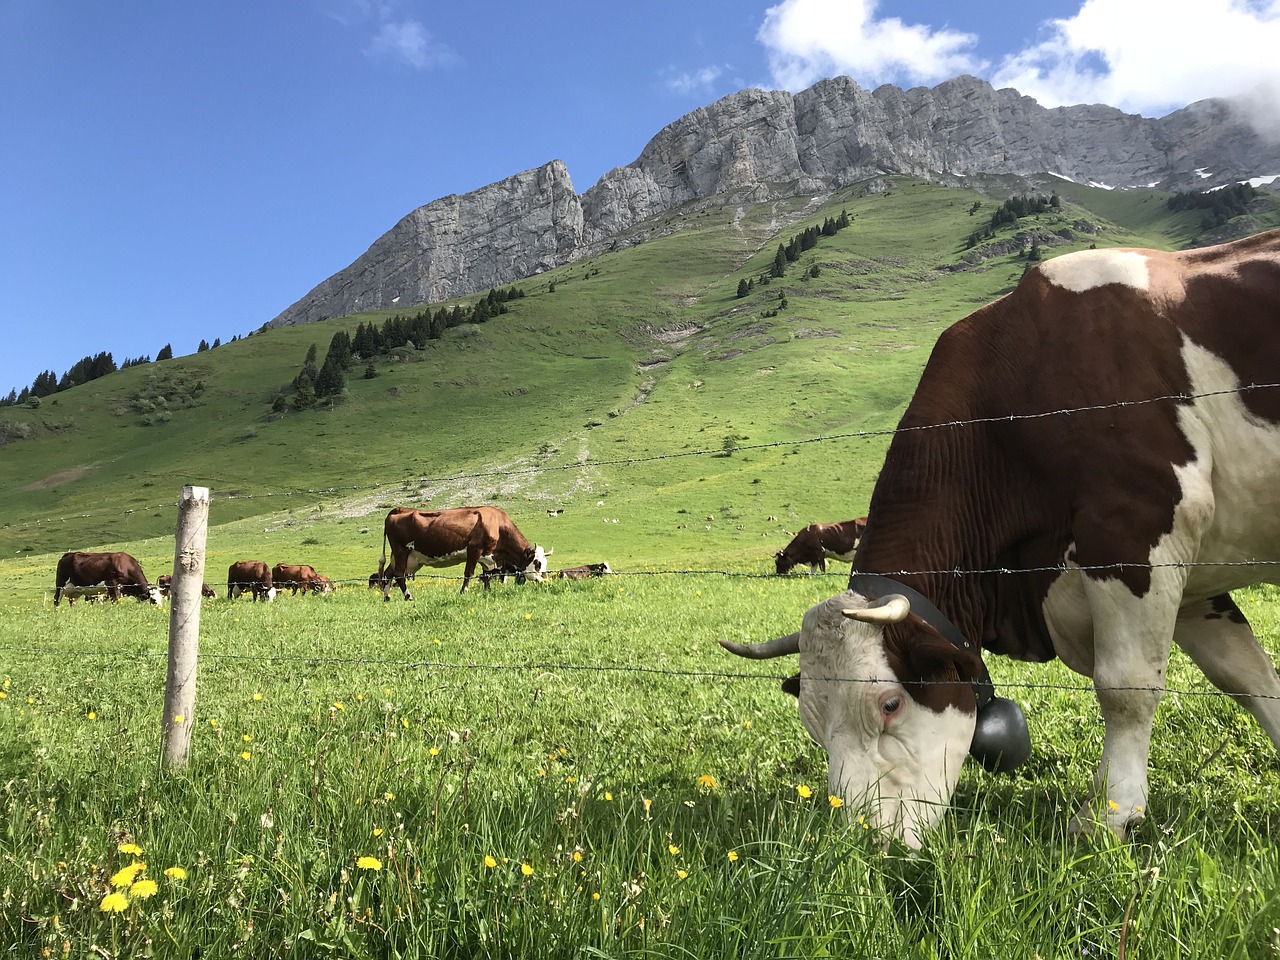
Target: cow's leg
{"type": "Point", "coordinates": [1132, 638]}
{"type": "Point", "coordinates": [402, 566]}
{"type": "Point", "coordinates": [1217, 636]}
{"type": "Point", "coordinates": [57, 593]}
{"type": "Point", "coordinates": [113, 591]}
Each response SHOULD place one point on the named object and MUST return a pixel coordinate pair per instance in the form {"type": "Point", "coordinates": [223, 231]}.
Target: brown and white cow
{"type": "Point", "coordinates": [252, 576]}
{"type": "Point", "coordinates": [165, 583]}
{"type": "Point", "coordinates": [115, 574]}
{"type": "Point", "coordinates": [819, 542]}
{"type": "Point", "coordinates": [481, 536]}
{"type": "Point", "coordinates": [585, 572]}
{"type": "Point", "coordinates": [1085, 470]}
{"type": "Point", "coordinates": [299, 576]}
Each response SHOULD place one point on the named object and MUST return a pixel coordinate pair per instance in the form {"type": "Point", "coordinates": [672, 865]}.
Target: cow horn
{"type": "Point", "coordinates": [892, 608]}
{"type": "Point", "coordinates": [783, 646]}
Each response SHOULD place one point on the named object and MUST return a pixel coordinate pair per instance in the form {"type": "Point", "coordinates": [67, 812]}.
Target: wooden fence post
{"type": "Point", "coordinates": [184, 626]}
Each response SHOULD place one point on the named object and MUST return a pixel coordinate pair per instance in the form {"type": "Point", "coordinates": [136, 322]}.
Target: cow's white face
{"type": "Point", "coordinates": [271, 594]}
{"type": "Point", "coordinates": [154, 594]}
{"type": "Point", "coordinates": [537, 570]}
{"type": "Point", "coordinates": [889, 756]}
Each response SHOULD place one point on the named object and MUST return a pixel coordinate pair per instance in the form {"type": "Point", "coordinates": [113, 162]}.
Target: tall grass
{"type": "Point", "coordinates": [573, 769]}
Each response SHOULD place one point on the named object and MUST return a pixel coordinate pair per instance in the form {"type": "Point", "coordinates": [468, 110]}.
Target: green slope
{"type": "Point", "coordinates": [634, 391]}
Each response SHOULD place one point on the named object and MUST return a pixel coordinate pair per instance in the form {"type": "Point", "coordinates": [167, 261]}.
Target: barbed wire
{"type": "Point", "coordinates": [675, 455]}
{"type": "Point", "coordinates": [1060, 568]}
{"type": "Point", "coordinates": [564, 667]}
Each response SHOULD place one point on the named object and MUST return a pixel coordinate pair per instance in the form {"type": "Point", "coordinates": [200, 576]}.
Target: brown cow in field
{"type": "Point", "coordinates": [585, 572]}
{"type": "Point", "coordinates": [253, 576]}
{"type": "Point", "coordinates": [819, 542]}
{"type": "Point", "coordinates": [165, 583]}
{"type": "Point", "coordinates": [115, 574]}
{"type": "Point", "coordinates": [299, 576]}
{"type": "Point", "coordinates": [481, 536]}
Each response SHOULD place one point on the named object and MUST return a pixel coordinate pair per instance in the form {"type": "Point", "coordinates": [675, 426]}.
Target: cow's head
{"type": "Point", "coordinates": [783, 563]}
{"type": "Point", "coordinates": [535, 563]}
{"type": "Point", "coordinates": [895, 709]}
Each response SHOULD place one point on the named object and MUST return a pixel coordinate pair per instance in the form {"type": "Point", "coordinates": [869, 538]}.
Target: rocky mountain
{"type": "Point", "coordinates": [756, 145]}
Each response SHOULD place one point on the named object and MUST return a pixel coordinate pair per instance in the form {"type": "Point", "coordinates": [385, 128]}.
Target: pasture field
{"type": "Point", "coordinates": [572, 770]}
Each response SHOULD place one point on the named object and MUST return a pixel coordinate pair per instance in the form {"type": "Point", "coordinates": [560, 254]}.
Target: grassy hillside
{"type": "Point", "coordinates": [673, 423]}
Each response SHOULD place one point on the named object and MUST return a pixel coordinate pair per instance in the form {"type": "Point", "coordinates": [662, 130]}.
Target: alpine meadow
{"type": "Point", "coordinates": [573, 768]}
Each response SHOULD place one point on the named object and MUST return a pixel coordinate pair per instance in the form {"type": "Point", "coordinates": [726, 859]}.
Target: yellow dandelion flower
{"type": "Point", "coordinates": [733, 856]}
{"type": "Point", "coordinates": [490, 862]}
{"type": "Point", "coordinates": [213, 721]}
{"type": "Point", "coordinates": [1113, 805]}
{"type": "Point", "coordinates": [673, 849]}
{"type": "Point", "coordinates": [369, 863]}
{"type": "Point", "coordinates": [126, 875]}
{"type": "Point", "coordinates": [339, 705]}
{"type": "Point", "coordinates": [608, 797]}
{"type": "Point", "coordinates": [804, 791]}
{"type": "Point", "coordinates": [682, 874]}
{"type": "Point", "coordinates": [746, 724]}
{"type": "Point", "coordinates": [93, 715]}
{"type": "Point", "coordinates": [360, 696]}
{"type": "Point", "coordinates": [257, 696]}
{"type": "Point", "coordinates": [836, 802]}
{"type": "Point", "coordinates": [377, 831]}
{"type": "Point", "coordinates": [114, 903]}
{"type": "Point", "coordinates": [570, 779]}
{"type": "Point", "coordinates": [595, 895]}
{"type": "Point", "coordinates": [528, 616]}
{"type": "Point", "coordinates": [247, 737]}
{"type": "Point", "coordinates": [577, 856]}
{"type": "Point", "coordinates": [3, 695]}
{"type": "Point", "coordinates": [130, 848]}
{"type": "Point", "coordinates": [143, 889]}
{"type": "Point", "coordinates": [707, 781]}
{"type": "Point", "coordinates": [434, 752]}
{"type": "Point", "coordinates": [541, 772]}
{"type": "Point", "coordinates": [526, 869]}
{"type": "Point", "coordinates": [245, 754]}
{"type": "Point", "coordinates": [175, 873]}
{"type": "Point", "coordinates": [386, 691]}
{"type": "Point", "coordinates": [404, 722]}
{"type": "Point", "coordinates": [389, 796]}
{"type": "Point", "coordinates": [647, 803]}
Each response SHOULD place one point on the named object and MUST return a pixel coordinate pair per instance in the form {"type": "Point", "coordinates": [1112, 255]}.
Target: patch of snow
{"type": "Point", "coordinates": [1203, 173]}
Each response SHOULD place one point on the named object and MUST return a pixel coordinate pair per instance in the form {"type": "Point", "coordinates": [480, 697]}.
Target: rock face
{"type": "Point", "coordinates": [757, 145]}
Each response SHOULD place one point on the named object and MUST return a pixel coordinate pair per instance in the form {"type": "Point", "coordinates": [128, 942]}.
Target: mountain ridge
{"type": "Point", "coordinates": [760, 145]}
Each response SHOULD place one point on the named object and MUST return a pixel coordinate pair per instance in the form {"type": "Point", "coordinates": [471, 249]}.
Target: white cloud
{"type": "Point", "coordinates": [409, 41]}
{"type": "Point", "coordinates": [807, 40]}
{"type": "Point", "coordinates": [697, 82]}
{"type": "Point", "coordinates": [1150, 56]}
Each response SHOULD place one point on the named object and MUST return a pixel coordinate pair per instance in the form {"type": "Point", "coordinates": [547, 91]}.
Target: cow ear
{"type": "Point", "coordinates": [935, 659]}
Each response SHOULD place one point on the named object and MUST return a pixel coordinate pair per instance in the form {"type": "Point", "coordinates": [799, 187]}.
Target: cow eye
{"type": "Point", "coordinates": [891, 705]}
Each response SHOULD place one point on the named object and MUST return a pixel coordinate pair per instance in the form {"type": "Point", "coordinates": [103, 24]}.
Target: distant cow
{"type": "Point", "coordinates": [299, 576]}
{"type": "Point", "coordinates": [112, 573]}
{"type": "Point", "coordinates": [165, 583]}
{"type": "Point", "coordinates": [482, 536]}
{"type": "Point", "coordinates": [819, 542]}
{"type": "Point", "coordinates": [585, 572]}
{"type": "Point", "coordinates": [253, 576]}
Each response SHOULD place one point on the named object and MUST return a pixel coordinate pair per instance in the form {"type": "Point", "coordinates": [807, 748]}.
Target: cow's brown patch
{"type": "Point", "coordinates": [61, 477]}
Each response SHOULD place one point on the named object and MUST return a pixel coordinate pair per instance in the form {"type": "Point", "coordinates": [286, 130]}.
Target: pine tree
{"type": "Point", "coordinates": [779, 263]}
{"type": "Point", "coordinates": [305, 394]}
{"type": "Point", "coordinates": [743, 288]}
{"type": "Point", "coordinates": [166, 352]}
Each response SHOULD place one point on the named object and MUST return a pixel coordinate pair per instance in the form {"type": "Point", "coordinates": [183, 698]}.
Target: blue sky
{"type": "Point", "coordinates": [179, 171]}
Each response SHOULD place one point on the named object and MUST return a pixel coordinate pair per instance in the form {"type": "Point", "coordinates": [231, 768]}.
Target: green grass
{"type": "Point", "coordinates": [566, 732]}
{"type": "Point", "coordinates": [566, 727]}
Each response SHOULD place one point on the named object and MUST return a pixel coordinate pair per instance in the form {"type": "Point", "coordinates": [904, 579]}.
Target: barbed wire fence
{"type": "Point", "coordinates": [414, 664]}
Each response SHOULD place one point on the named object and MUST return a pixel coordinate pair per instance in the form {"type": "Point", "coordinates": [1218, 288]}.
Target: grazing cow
{"type": "Point", "coordinates": [1085, 470]}
{"type": "Point", "coordinates": [253, 576]}
{"type": "Point", "coordinates": [584, 572]}
{"type": "Point", "coordinates": [481, 536]}
{"type": "Point", "coordinates": [819, 542]}
{"type": "Point", "coordinates": [165, 583]}
{"type": "Point", "coordinates": [116, 574]}
{"type": "Point", "coordinates": [299, 576]}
